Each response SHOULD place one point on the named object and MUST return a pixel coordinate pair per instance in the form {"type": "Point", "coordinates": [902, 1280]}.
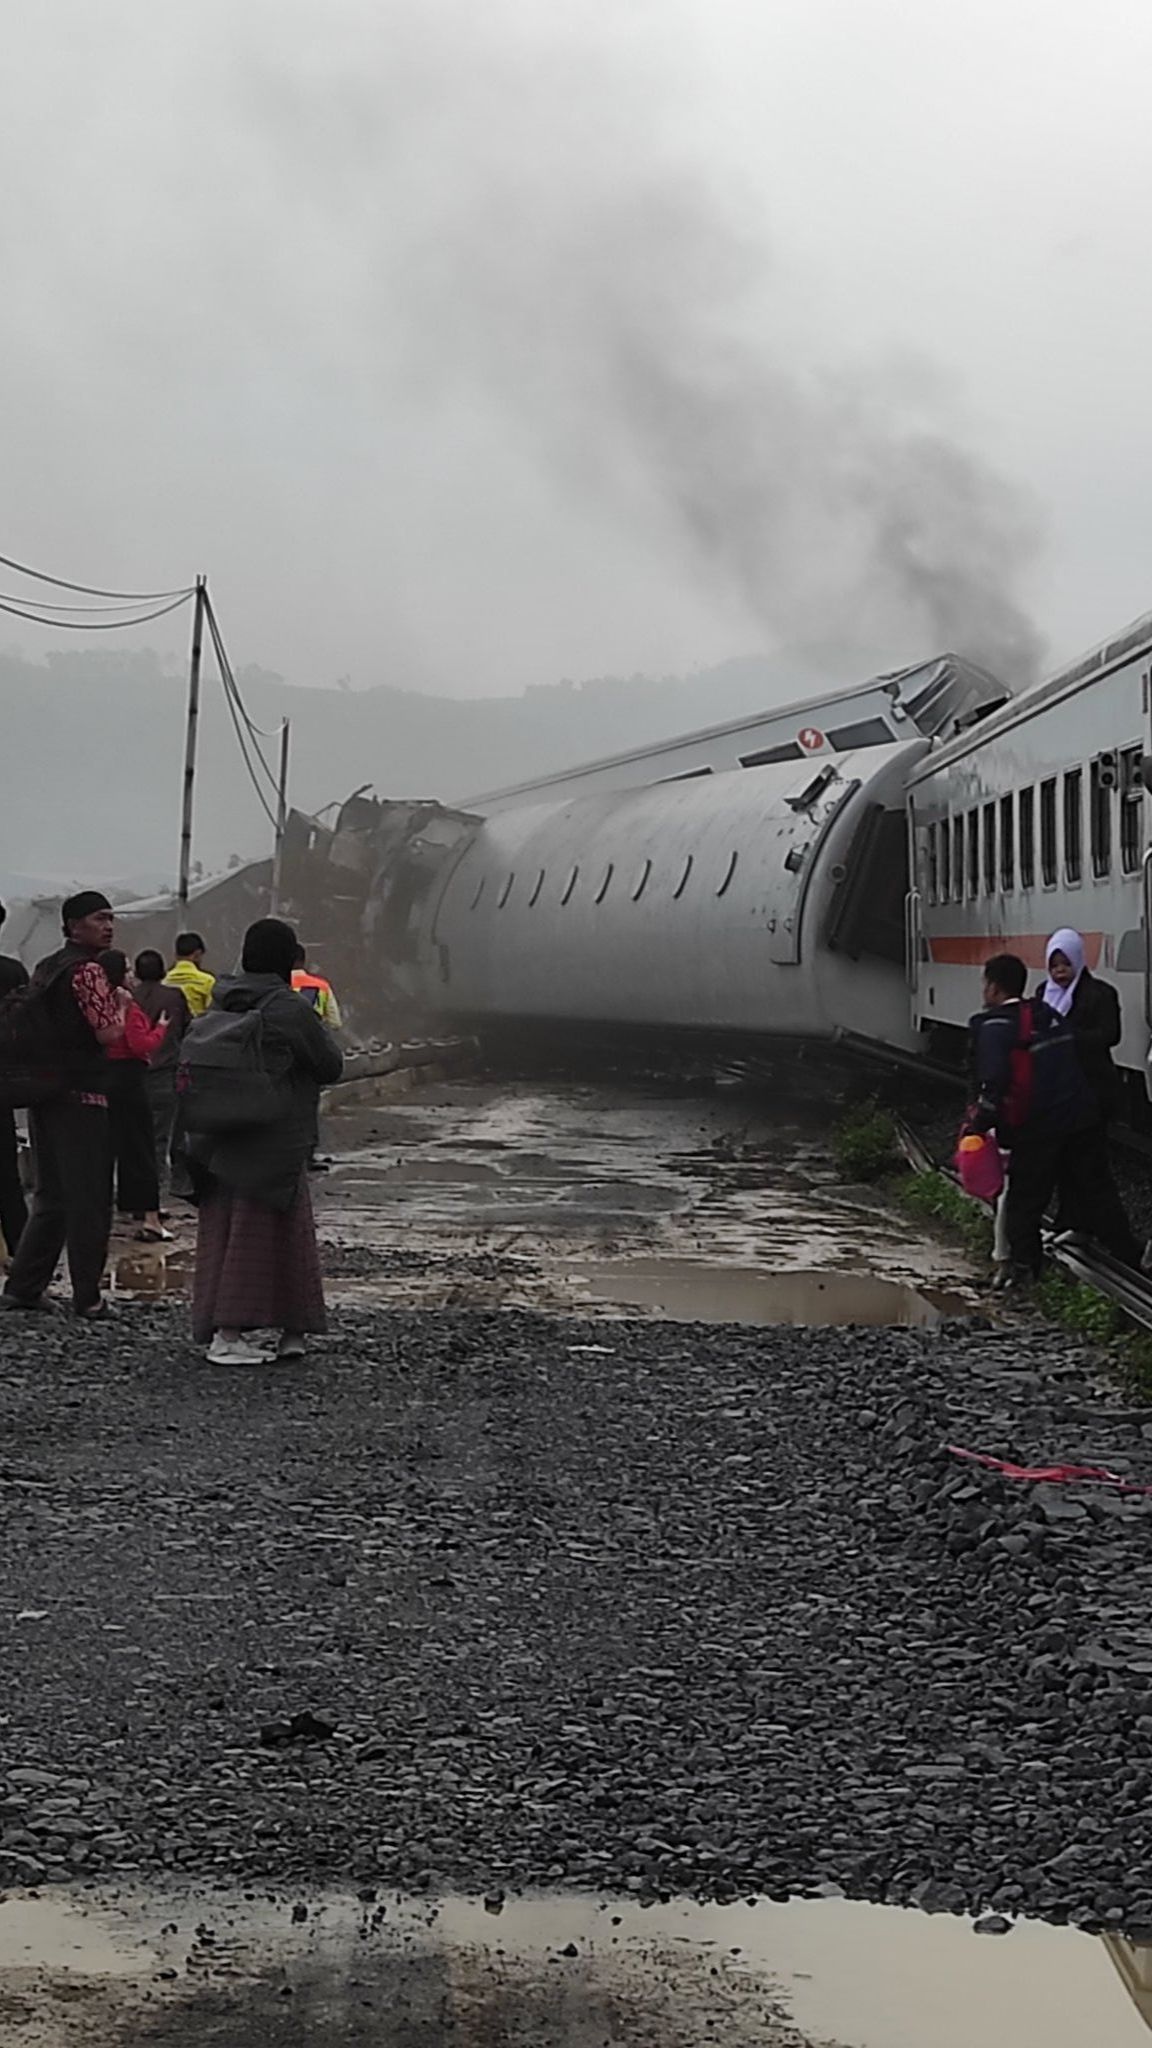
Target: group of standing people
{"type": "Point", "coordinates": [106, 1125]}
{"type": "Point", "coordinates": [1045, 1082]}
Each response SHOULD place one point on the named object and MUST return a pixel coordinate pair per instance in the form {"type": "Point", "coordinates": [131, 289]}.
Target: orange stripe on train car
{"type": "Point", "coordinates": [1031, 947]}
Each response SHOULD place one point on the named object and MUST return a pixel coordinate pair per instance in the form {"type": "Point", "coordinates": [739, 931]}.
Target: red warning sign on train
{"type": "Point", "coordinates": [810, 738]}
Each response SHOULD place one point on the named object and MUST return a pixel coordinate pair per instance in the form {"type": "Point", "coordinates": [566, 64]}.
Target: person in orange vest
{"type": "Point", "coordinates": [316, 991]}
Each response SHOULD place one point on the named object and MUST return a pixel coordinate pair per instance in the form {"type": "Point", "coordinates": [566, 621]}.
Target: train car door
{"type": "Point", "coordinates": [913, 914]}
{"type": "Point", "coordinates": [1146, 870]}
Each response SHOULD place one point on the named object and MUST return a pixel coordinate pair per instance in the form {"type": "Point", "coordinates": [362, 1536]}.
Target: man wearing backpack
{"type": "Point", "coordinates": [13, 1210]}
{"type": "Point", "coordinates": [71, 1015]}
{"type": "Point", "coordinates": [1031, 1090]}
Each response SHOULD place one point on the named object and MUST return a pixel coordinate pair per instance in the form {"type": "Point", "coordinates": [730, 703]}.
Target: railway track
{"type": "Point", "coordinates": [1132, 1292]}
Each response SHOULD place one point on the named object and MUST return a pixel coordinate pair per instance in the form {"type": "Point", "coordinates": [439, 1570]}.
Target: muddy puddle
{"type": "Point", "coordinates": [550, 1972]}
{"type": "Point", "coordinates": [600, 1197]}
{"type": "Point", "coordinates": [689, 1291]}
{"type": "Point", "coordinates": [576, 1199]}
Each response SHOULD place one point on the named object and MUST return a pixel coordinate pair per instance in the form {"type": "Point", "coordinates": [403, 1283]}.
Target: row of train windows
{"type": "Point", "coordinates": [994, 846]}
{"type": "Point", "coordinates": [639, 884]}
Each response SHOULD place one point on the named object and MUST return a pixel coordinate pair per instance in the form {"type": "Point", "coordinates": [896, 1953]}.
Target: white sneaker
{"type": "Point", "coordinates": [232, 1347]}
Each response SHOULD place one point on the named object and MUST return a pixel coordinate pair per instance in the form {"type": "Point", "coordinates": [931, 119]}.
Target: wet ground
{"type": "Point", "coordinates": [641, 1615]}
{"type": "Point", "coordinates": [553, 1971]}
{"type": "Point", "coordinates": [716, 1207]}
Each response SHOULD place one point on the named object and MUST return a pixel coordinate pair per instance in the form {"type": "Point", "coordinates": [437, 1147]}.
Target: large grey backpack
{"type": "Point", "coordinates": [223, 1082]}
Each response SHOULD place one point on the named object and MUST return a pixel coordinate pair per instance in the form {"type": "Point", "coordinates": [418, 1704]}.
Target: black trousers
{"type": "Point", "coordinates": [72, 1205]}
{"type": "Point", "coordinates": [13, 1209]}
{"type": "Point", "coordinates": [133, 1143]}
{"type": "Point", "coordinates": [160, 1088]}
{"type": "Point", "coordinates": [1076, 1163]}
{"type": "Point", "coordinates": [1089, 1200]}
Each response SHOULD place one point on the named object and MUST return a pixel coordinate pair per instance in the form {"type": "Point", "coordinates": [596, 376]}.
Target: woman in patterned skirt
{"type": "Point", "coordinates": [257, 1290]}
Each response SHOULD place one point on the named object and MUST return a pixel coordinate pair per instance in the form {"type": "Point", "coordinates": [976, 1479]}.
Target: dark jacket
{"type": "Point", "coordinates": [13, 975]}
{"type": "Point", "coordinates": [158, 999]}
{"type": "Point", "coordinates": [74, 1046]}
{"type": "Point", "coordinates": [1095, 1020]}
{"type": "Point", "coordinates": [266, 1163]}
{"type": "Point", "coordinates": [1044, 1090]}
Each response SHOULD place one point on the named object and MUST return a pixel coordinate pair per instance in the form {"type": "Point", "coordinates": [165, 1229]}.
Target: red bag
{"type": "Point", "coordinates": [979, 1165]}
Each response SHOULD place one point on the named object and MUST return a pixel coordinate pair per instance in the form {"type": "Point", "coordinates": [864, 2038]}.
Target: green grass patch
{"type": "Point", "coordinates": [1070, 1304]}
{"type": "Point", "coordinates": [864, 1143]}
{"type": "Point", "coordinates": [1087, 1313]}
{"type": "Point", "coordinates": [932, 1198]}
{"type": "Point", "coordinates": [1078, 1307]}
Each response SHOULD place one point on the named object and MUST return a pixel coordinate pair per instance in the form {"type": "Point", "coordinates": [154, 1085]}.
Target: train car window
{"type": "Point", "coordinates": [506, 891]}
{"type": "Point", "coordinates": [479, 892]}
{"type": "Point", "coordinates": [1027, 839]}
{"type": "Point", "coordinates": [570, 884]}
{"type": "Point", "coordinates": [1007, 844]}
{"type": "Point", "coordinates": [958, 859]}
{"type": "Point", "coordinates": [729, 871]}
{"type": "Point", "coordinates": [537, 885]}
{"type": "Point", "coordinates": [945, 862]}
{"type": "Point", "coordinates": [1073, 825]}
{"type": "Point", "coordinates": [1131, 811]}
{"type": "Point", "coordinates": [870, 732]}
{"type": "Point", "coordinates": [602, 891]}
{"type": "Point", "coordinates": [989, 849]}
{"type": "Point", "coordinates": [790, 751]}
{"type": "Point", "coordinates": [932, 872]}
{"type": "Point", "coordinates": [682, 884]}
{"type": "Point", "coordinates": [973, 853]}
{"type": "Point", "coordinates": [1048, 833]}
{"type": "Point", "coordinates": [641, 882]}
{"type": "Point", "coordinates": [1101, 783]}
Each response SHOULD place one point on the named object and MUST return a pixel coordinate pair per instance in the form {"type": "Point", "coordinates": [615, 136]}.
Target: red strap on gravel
{"type": "Point", "coordinates": [1050, 1474]}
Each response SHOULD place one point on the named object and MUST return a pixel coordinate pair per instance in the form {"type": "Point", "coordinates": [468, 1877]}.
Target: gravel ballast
{"type": "Point", "coordinates": [491, 1600]}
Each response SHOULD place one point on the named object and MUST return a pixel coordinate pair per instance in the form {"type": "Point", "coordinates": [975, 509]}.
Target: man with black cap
{"type": "Point", "coordinates": [72, 1205]}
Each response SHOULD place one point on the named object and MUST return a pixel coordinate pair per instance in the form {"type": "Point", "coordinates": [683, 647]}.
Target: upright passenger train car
{"type": "Point", "coordinates": [1037, 817]}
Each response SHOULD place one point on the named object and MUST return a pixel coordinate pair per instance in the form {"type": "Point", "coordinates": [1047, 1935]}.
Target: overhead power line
{"type": "Point", "coordinates": [255, 732]}
{"type": "Point", "coordinates": [239, 717]}
{"type": "Point", "coordinates": [94, 625]}
{"type": "Point", "coordinates": [228, 676]}
{"type": "Point", "coordinates": [90, 589]}
{"type": "Point", "coordinates": [55, 604]}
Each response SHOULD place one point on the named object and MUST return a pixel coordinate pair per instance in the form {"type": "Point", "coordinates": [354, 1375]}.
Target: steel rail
{"type": "Point", "coordinates": [1093, 1267]}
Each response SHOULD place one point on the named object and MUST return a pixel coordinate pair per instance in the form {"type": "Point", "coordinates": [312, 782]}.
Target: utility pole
{"type": "Point", "coordinates": [281, 821]}
{"type": "Point", "coordinates": [190, 746]}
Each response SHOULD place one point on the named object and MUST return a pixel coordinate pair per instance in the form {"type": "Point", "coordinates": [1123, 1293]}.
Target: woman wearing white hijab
{"type": "Point", "coordinates": [1089, 1203]}
{"type": "Point", "coordinates": [1065, 961]}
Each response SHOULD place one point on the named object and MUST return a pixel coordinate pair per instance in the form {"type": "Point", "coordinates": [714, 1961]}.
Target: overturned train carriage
{"type": "Point", "coordinates": [746, 903]}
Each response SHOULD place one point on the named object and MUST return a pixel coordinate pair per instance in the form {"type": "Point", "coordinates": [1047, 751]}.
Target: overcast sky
{"type": "Point", "coordinates": [471, 343]}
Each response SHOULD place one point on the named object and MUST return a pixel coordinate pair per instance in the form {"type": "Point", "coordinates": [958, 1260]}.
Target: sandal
{"type": "Point", "coordinates": [98, 1312]}
{"type": "Point", "coordinates": [149, 1234]}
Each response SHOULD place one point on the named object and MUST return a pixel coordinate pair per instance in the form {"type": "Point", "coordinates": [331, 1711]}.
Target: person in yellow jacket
{"type": "Point", "coordinates": [189, 975]}
{"type": "Point", "coordinates": [317, 991]}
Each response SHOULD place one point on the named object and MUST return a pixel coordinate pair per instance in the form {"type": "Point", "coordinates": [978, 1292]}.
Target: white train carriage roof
{"type": "Point", "coordinates": [927, 698]}
{"type": "Point", "coordinates": [1099, 662]}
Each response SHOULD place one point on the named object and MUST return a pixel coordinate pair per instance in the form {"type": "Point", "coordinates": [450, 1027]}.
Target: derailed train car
{"type": "Point", "coordinates": [766, 903]}
{"type": "Point", "coordinates": [748, 879]}
{"type": "Point", "coordinates": [748, 903]}
{"type": "Point", "coordinates": [853, 895]}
